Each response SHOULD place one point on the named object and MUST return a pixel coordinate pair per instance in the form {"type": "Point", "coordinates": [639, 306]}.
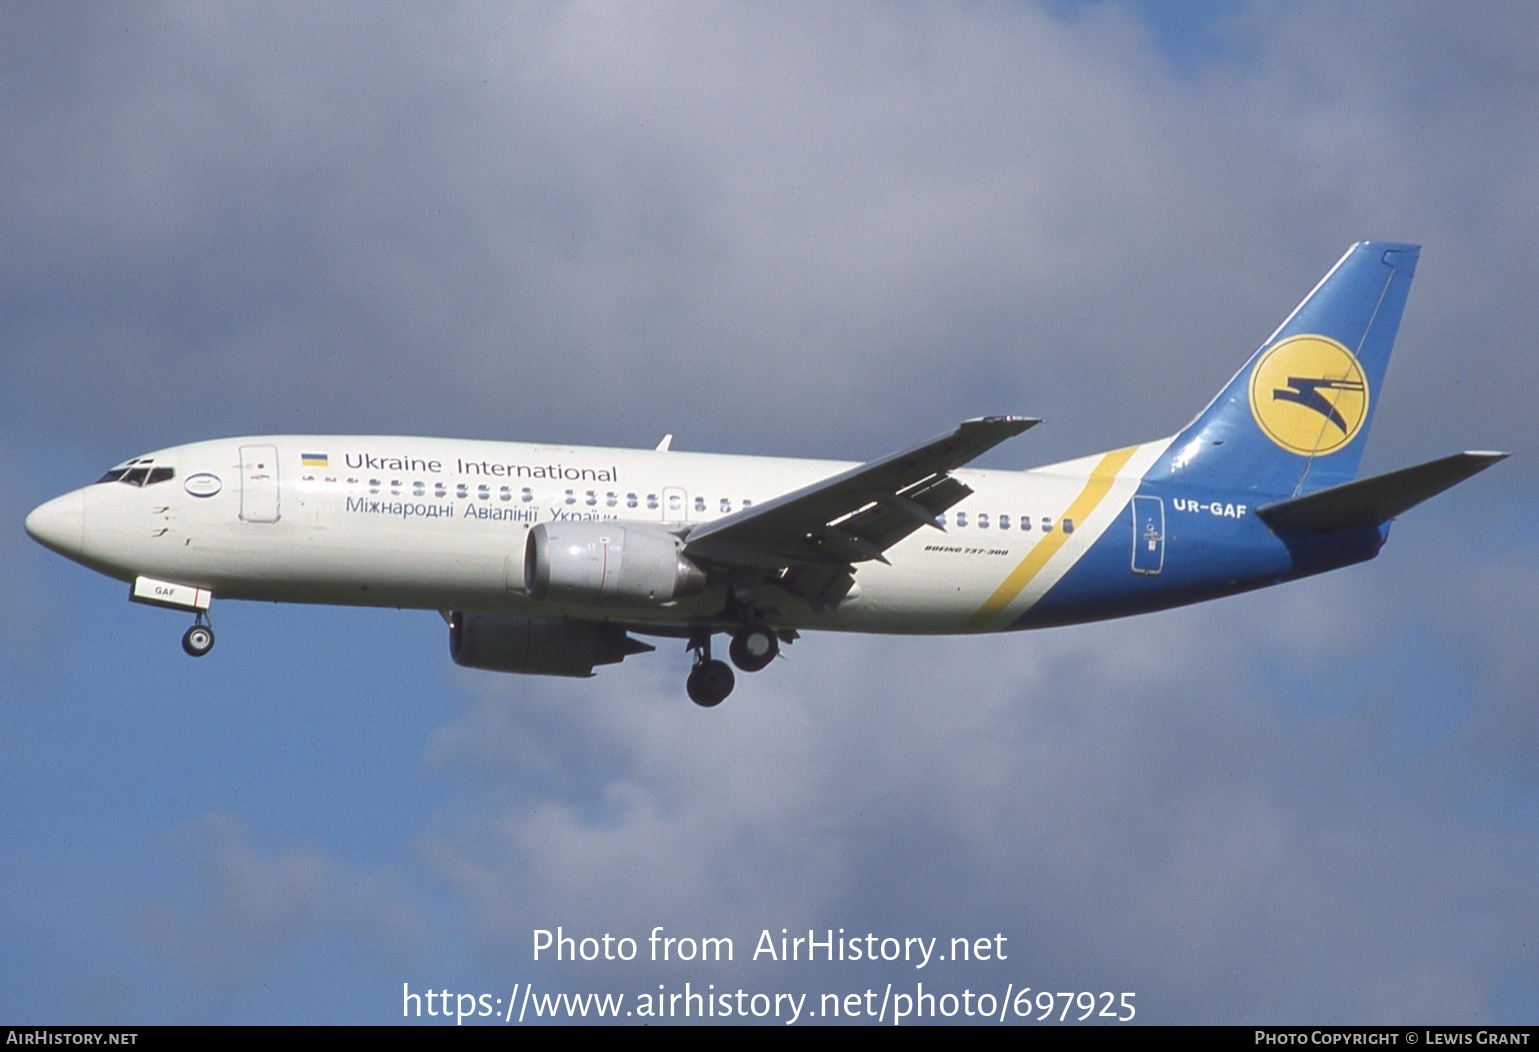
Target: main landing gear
{"type": "Point", "coordinates": [709, 681]}
{"type": "Point", "coordinates": [752, 648]}
{"type": "Point", "coordinates": [199, 639]}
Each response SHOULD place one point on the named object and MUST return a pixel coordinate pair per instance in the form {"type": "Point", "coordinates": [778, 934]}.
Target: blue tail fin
{"type": "Point", "coordinates": [1295, 418]}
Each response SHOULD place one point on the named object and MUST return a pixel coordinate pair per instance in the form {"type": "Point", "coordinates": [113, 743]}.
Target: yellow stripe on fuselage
{"type": "Point", "coordinates": [1096, 488]}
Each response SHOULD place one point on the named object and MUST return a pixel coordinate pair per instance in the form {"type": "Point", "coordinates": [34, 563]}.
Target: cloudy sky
{"type": "Point", "coordinates": [825, 230]}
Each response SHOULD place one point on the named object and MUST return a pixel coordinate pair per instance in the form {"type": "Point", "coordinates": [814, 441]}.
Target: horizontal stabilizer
{"type": "Point", "coordinates": [1371, 501]}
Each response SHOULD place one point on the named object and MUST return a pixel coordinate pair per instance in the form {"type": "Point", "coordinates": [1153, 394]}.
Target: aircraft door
{"type": "Point", "coordinates": [259, 483]}
{"type": "Point", "coordinates": [1148, 535]}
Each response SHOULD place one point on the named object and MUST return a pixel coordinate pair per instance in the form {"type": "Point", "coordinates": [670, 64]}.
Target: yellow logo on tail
{"type": "Point", "coordinates": [1309, 395]}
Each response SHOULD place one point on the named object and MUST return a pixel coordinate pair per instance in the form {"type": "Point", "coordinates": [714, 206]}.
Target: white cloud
{"type": "Point", "coordinates": [1130, 803]}
{"type": "Point", "coordinates": [614, 219]}
{"type": "Point", "coordinates": [241, 914]}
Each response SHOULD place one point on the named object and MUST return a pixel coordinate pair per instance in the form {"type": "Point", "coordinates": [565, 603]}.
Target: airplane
{"type": "Point", "coordinates": [553, 559]}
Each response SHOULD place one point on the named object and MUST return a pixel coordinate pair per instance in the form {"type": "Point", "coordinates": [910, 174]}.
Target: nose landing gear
{"type": "Point", "coordinates": [199, 639]}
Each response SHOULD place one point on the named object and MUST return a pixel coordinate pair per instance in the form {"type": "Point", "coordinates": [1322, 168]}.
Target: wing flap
{"type": "Point", "coordinates": [889, 518]}
{"type": "Point", "coordinates": [857, 514]}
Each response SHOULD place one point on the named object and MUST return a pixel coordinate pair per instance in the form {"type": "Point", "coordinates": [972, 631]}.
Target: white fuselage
{"type": "Point", "coordinates": [545, 559]}
{"type": "Point", "coordinates": [442, 524]}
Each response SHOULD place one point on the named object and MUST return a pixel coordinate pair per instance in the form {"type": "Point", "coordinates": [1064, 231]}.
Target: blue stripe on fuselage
{"type": "Point", "coordinates": [1206, 555]}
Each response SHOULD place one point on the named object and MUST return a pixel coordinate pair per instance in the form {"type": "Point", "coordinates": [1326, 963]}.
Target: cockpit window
{"type": "Point", "coordinates": [141, 471]}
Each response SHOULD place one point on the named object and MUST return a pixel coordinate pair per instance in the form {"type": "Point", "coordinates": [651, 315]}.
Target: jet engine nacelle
{"type": "Point", "coordinates": [603, 562]}
{"type": "Point", "coordinates": [540, 646]}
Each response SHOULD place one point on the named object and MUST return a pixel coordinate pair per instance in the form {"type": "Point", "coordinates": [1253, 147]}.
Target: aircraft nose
{"type": "Point", "coordinates": [59, 524]}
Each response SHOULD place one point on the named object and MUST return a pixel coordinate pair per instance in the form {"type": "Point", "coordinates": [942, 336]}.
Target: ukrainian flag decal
{"type": "Point", "coordinates": [315, 460]}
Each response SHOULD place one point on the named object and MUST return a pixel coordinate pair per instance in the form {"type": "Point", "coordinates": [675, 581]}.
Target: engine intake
{"type": "Point", "coordinates": [601, 562]}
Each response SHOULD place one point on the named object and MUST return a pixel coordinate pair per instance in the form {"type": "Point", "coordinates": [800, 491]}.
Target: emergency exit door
{"type": "Point", "coordinates": [1148, 535]}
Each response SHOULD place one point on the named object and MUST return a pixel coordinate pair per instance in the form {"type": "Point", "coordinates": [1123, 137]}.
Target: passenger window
{"type": "Point", "coordinates": [1025, 523]}
{"type": "Point", "coordinates": [592, 499]}
{"type": "Point", "coordinates": [1047, 524]}
{"type": "Point", "coordinates": [1004, 522]}
{"type": "Point", "coordinates": [419, 489]}
{"type": "Point", "coordinates": [506, 494]}
{"type": "Point", "coordinates": [440, 490]}
{"type": "Point", "coordinates": [374, 485]}
{"type": "Point", "coordinates": [962, 518]}
{"type": "Point", "coordinates": [983, 520]}
{"type": "Point", "coordinates": [571, 496]}
{"type": "Point", "coordinates": [1068, 525]}
{"type": "Point", "coordinates": [526, 495]}
{"type": "Point", "coordinates": [699, 503]}
{"type": "Point", "coordinates": [652, 501]}
{"type": "Point", "coordinates": [484, 492]}
{"type": "Point", "coordinates": [630, 500]}
{"type": "Point", "coordinates": [726, 505]}
{"type": "Point", "coordinates": [461, 490]}
{"type": "Point", "coordinates": [611, 499]}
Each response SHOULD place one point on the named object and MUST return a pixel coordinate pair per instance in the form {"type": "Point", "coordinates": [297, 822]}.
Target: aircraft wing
{"type": "Point", "coordinates": [856, 515]}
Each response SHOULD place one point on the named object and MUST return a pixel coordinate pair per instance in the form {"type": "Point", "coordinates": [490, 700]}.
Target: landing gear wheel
{"type": "Point", "coordinates": [753, 648]}
{"type": "Point", "coordinates": [198, 640]}
{"type": "Point", "coordinates": [709, 683]}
